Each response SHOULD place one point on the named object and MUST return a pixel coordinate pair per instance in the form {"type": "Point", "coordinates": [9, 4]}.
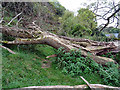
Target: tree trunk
{"type": "Point", "coordinates": [35, 35]}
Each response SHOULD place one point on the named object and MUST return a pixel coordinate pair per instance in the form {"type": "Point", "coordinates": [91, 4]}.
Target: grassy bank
{"type": "Point", "coordinates": [25, 69]}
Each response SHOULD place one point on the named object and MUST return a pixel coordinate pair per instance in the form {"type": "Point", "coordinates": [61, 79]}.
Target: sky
{"type": "Point", "coordinates": [75, 5]}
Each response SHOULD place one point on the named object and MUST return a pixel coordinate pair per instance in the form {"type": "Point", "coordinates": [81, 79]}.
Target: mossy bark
{"type": "Point", "coordinates": [86, 46]}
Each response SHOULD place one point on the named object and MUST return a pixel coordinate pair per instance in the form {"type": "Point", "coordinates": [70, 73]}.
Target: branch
{"type": "Point", "coordinates": [87, 83]}
{"type": "Point", "coordinates": [14, 18]}
{"type": "Point", "coordinates": [1, 20]}
{"type": "Point", "coordinates": [7, 49]}
{"type": "Point", "coordinates": [19, 21]}
{"type": "Point", "coordinates": [108, 19]}
{"type": "Point", "coordinates": [111, 10]}
{"type": "Point", "coordinates": [54, 55]}
{"type": "Point", "coordinates": [16, 32]}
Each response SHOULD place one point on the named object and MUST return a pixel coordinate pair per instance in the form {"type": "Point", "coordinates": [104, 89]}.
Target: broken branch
{"type": "Point", "coordinates": [7, 49]}
{"type": "Point", "coordinates": [14, 18]}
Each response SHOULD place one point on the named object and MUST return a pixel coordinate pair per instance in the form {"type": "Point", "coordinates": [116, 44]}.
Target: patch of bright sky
{"type": "Point", "coordinates": [75, 5]}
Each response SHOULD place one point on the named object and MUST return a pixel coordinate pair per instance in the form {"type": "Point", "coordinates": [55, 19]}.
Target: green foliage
{"type": "Point", "coordinates": [99, 36]}
{"type": "Point", "coordinates": [24, 69]}
{"type": "Point", "coordinates": [79, 30]}
{"type": "Point", "coordinates": [115, 57]}
{"type": "Point", "coordinates": [7, 19]}
{"type": "Point", "coordinates": [59, 9]}
{"type": "Point", "coordinates": [79, 25]}
{"type": "Point", "coordinates": [43, 13]}
{"type": "Point", "coordinates": [110, 74]}
{"type": "Point", "coordinates": [87, 18]}
{"type": "Point", "coordinates": [66, 22]}
{"type": "Point", "coordinates": [17, 7]}
{"type": "Point", "coordinates": [109, 55]}
{"type": "Point", "coordinates": [74, 64]}
{"type": "Point", "coordinates": [111, 30]}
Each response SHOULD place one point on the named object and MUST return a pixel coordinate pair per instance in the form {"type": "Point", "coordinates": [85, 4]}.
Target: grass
{"type": "Point", "coordinates": [24, 69]}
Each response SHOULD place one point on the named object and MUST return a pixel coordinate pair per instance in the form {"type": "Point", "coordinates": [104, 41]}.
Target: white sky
{"type": "Point", "coordinates": [75, 5]}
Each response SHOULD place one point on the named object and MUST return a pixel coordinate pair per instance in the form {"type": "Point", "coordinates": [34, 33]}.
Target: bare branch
{"type": "Point", "coordinates": [7, 49]}
{"type": "Point", "coordinates": [117, 24]}
{"type": "Point", "coordinates": [108, 19]}
{"type": "Point", "coordinates": [14, 18]}
{"type": "Point", "coordinates": [19, 21]}
{"type": "Point", "coordinates": [1, 20]}
{"type": "Point", "coordinates": [87, 83]}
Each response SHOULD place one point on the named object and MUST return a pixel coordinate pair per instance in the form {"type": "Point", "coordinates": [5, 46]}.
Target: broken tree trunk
{"type": "Point", "coordinates": [35, 35]}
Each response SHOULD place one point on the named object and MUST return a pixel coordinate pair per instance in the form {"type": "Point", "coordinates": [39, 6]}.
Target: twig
{"type": "Point", "coordinates": [1, 20]}
{"type": "Point", "coordinates": [19, 21]}
{"type": "Point", "coordinates": [108, 19]}
{"type": "Point", "coordinates": [87, 83]}
{"type": "Point", "coordinates": [14, 18]}
{"type": "Point", "coordinates": [7, 49]}
{"type": "Point", "coordinates": [54, 55]}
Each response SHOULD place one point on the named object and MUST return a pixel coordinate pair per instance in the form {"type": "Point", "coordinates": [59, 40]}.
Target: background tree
{"type": "Point", "coordinates": [87, 18]}
{"type": "Point", "coordinates": [67, 21]}
{"type": "Point", "coordinates": [79, 25]}
{"type": "Point", "coordinates": [107, 11]}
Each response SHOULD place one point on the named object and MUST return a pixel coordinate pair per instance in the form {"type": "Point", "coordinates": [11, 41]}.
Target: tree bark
{"type": "Point", "coordinates": [35, 35]}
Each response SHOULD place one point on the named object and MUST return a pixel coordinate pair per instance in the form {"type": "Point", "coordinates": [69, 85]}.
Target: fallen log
{"type": "Point", "coordinates": [38, 36]}
{"type": "Point", "coordinates": [94, 86]}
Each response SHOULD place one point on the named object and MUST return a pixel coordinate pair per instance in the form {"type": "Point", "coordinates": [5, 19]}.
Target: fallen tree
{"type": "Point", "coordinates": [35, 35]}
{"type": "Point", "coordinates": [95, 86]}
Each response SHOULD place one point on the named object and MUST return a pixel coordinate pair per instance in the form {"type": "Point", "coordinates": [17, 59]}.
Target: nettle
{"type": "Point", "coordinates": [74, 64]}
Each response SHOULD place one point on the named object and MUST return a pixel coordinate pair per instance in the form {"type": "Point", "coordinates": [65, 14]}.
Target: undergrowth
{"type": "Point", "coordinates": [24, 69]}
{"type": "Point", "coordinates": [115, 57]}
{"type": "Point", "coordinates": [74, 64]}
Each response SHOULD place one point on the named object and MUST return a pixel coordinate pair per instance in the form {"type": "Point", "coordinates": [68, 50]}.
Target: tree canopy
{"type": "Point", "coordinates": [79, 25]}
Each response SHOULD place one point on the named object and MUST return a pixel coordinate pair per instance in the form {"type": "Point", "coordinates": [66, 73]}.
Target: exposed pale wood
{"type": "Point", "coordinates": [87, 83]}
{"type": "Point", "coordinates": [35, 35]}
{"type": "Point", "coordinates": [95, 86]}
{"type": "Point", "coordinates": [7, 49]}
{"type": "Point", "coordinates": [54, 55]}
{"type": "Point", "coordinates": [14, 18]}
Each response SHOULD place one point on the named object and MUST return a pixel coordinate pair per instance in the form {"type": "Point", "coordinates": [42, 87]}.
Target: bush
{"type": "Point", "coordinates": [74, 64]}
{"type": "Point", "coordinates": [79, 30]}
{"type": "Point", "coordinates": [117, 58]}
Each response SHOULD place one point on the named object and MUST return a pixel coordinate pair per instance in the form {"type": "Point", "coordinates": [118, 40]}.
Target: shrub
{"type": "Point", "coordinates": [74, 64]}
